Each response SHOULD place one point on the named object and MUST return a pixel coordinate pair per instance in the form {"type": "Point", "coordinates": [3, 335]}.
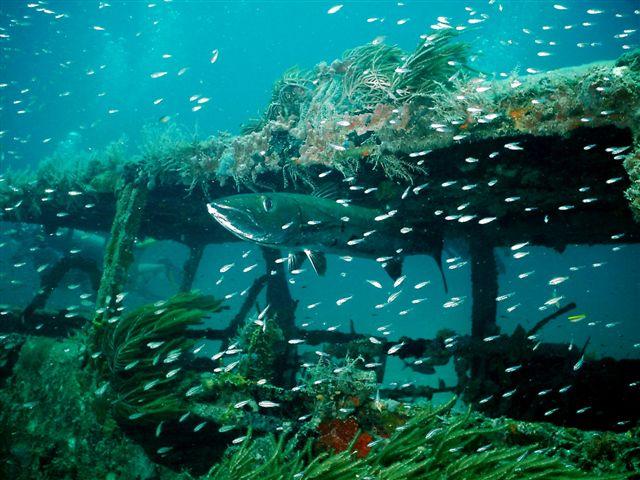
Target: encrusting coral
{"type": "Point", "coordinates": [52, 425]}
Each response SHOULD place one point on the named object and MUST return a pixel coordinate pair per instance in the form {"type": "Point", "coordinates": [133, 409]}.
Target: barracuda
{"type": "Point", "coordinates": [309, 226]}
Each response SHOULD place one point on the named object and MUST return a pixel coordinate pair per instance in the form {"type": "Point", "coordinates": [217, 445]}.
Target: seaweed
{"type": "Point", "coordinates": [435, 60]}
{"type": "Point", "coordinates": [368, 75]}
{"type": "Point", "coordinates": [388, 440]}
{"type": "Point", "coordinates": [289, 93]}
{"type": "Point", "coordinates": [632, 166]}
{"type": "Point", "coordinates": [396, 168]}
{"type": "Point", "coordinates": [138, 353]}
{"type": "Point", "coordinates": [69, 167]}
{"type": "Point", "coordinates": [379, 73]}
{"type": "Point", "coordinates": [263, 345]}
{"type": "Point", "coordinates": [170, 154]}
{"type": "Point", "coordinates": [433, 444]}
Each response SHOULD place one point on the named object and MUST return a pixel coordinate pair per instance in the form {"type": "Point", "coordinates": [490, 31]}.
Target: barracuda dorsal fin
{"type": "Point", "coordinates": [393, 267]}
{"type": "Point", "coordinates": [328, 191]}
{"type": "Point", "coordinates": [317, 259]}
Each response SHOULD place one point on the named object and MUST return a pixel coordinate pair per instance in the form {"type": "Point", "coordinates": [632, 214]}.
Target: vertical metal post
{"type": "Point", "coordinates": [119, 250]}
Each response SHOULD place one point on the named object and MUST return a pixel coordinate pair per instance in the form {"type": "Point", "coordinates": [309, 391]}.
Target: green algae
{"type": "Point", "coordinates": [138, 353]}
{"type": "Point", "coordinates": [433, 444]}
{"type": "Point", "coordinates": [263, 345]}
{"type": "Point", "coordinates": [632, 166]}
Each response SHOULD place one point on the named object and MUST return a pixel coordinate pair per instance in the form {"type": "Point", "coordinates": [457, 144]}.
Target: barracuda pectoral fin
{"type": "Point", "coordinates": [317, 259]}
{"type": "Point", "coordinates": [295, 260]}
{"type": "Point", "coordinates": [393, 267]}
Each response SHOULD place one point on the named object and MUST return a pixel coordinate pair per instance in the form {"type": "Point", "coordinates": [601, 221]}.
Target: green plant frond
{"type": "Point", "coordinates": [413, 451]}
{"type": "Point", "coordinates": [381, 56]}
{"type": "Point", "coordinates": [142, 347]}
{"type": "Point", "coordinates": [433, 62]}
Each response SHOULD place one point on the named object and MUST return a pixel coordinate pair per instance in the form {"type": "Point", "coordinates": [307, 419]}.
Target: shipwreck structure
{"type": "Point", "coordinates": [553, 158]}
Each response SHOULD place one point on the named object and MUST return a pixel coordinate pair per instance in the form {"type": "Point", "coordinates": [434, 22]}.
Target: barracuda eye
{"type": "Point", "coordinates": [267, 204]}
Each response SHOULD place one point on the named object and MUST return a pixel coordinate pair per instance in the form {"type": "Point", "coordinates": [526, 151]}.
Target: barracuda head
{"type": "Point", "coordinates": [265, 218]}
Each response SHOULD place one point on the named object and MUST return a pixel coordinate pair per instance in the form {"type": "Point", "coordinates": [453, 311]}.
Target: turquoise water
{"type": "Point", "coordinates": [257, 42]}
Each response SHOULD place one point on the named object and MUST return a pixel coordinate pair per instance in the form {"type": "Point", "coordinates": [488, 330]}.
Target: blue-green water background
{"type": "Point", "coordinates": [45, 65]}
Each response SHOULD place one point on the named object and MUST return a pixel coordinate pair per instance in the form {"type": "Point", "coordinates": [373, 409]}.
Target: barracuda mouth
{"type": "Point", "coordinates": [233, 219]}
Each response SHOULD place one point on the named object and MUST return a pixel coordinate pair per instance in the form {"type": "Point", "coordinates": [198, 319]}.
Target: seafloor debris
{"type": "Point", "coordinates": [56, 425]}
